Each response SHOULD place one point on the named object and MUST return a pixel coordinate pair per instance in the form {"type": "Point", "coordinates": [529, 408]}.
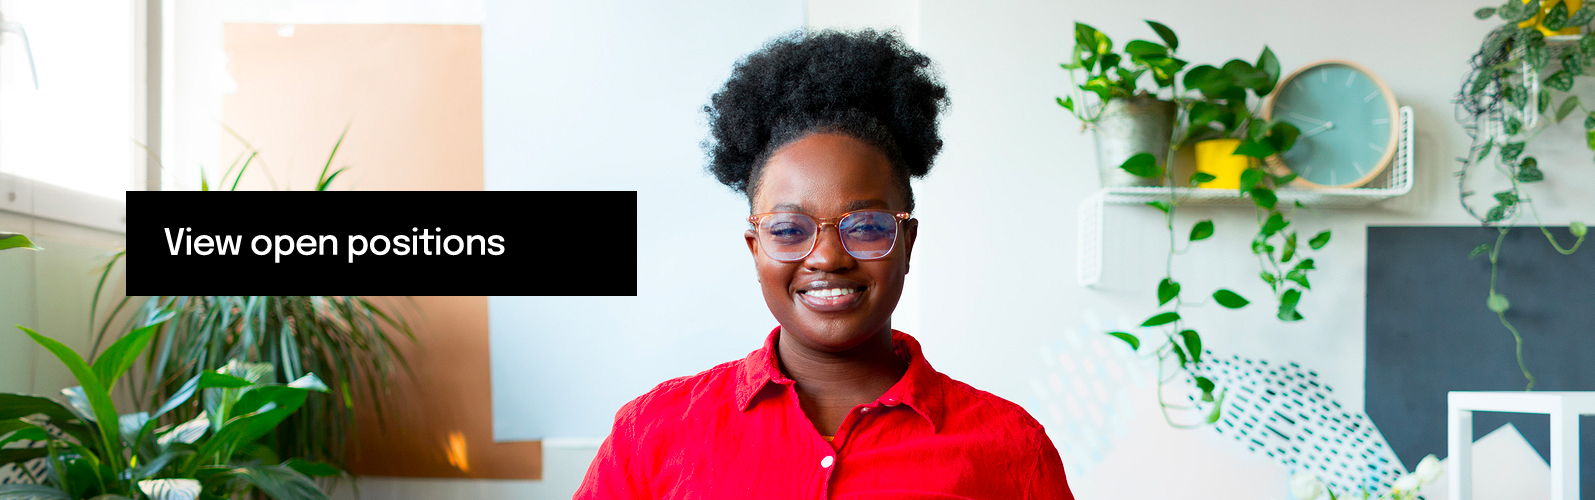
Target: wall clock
{"type": "Point", "coordinates": [1348, 120]}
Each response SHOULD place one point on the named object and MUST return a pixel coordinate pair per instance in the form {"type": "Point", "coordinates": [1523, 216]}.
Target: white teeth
{"type": "Point", "coordinates": [830, 292]}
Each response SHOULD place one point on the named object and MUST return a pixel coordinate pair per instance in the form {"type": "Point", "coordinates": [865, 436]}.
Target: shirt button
{"type": "Point", "coordinates": [891, 401]}
{"type": "Point", "coordinates": [827, 461]}
{"type": "Point", "coordinates": [864, 410]}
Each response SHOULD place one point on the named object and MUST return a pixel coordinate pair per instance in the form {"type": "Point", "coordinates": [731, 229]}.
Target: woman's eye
{"type": "Point", "coordinates": [867, 232]}
{"type": "Point", "coordinates": [788, 233]}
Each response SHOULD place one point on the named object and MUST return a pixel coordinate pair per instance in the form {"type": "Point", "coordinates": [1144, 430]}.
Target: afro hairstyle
{"type": "Point", "coordinates": [867, 85]}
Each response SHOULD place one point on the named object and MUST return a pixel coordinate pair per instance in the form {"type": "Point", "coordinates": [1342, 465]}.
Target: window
{"type": "Point", "coordinates": [76, 128]}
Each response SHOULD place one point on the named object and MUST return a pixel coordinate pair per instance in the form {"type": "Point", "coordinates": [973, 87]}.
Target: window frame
{"type": "Point", "coordinates": [42, 200]}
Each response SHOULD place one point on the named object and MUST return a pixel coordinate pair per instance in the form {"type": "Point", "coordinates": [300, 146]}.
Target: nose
{"type": "Point", "coordinates": [828, 254]}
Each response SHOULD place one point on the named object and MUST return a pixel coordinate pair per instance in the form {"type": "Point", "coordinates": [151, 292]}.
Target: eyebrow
{"type": "Point", "coordinates": [851, 206]}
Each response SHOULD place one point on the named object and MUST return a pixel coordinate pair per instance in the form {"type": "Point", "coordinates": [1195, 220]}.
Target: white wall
{"type": "Point", "coordinates": [993, 296]}
{"type": "Point", "coordinates": [608, 96]}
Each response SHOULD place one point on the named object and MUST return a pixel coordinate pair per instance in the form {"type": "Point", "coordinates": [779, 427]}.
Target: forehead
{"type": "Point", "coordinates": [826, 174]}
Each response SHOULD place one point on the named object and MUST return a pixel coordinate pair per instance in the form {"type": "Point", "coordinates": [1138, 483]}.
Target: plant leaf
{"type": "Point", "coordinates": [1193, 344]}
{"type": "Point", "coordinates": [1167, 290]}
{"type": "Point", "coordinates": [31, 492]}
{"type": "Point", "coordinates": [1202, 230]}
{"type": "Point", "coordinates": [1319, 241]}
{"type": "Point", "coordinates": [1479, 250]}
{"type": "Point", "coordinates": [1230, 299]}
{"type": "Point", "coordinates": [1287, 305]}
{"type": "Point", "coordinates": [1568, 106]}
{"type": "Point", "coordinates": [1201, 177]}
{"type": "Point", "coordinates": [1143, 165]}
{"type": "Point", "coordinates": [1556, 18]}
{"type": "Point", "coordinates": [1250, 178]}
{"type": "Point", "coordinates": [170, 489]}
{"type": "Point", "coordinates": [1560, 80]}
{"type": "Point", "coordinates": [1217, 412]}
{"type": "Point", "coordinates": [1145, 48]}
{"type": "Point", "coordinates": [1254, 148]}
{"type": "Point", "coordinates": [1162, 319]}
{"type": "Point", "coordinates": [1484, 13]}
{"type": "Point", "coordinates": [1165, 33]}
{"type": "Point", "coordinates": [1274, 223]}
{"type": "Point", "coordinates": [1162, 206]}
{"type": "Point", "coordinates": [1264, 197]}
{"type": "Point", "coordinates": [1290, 247]}
{"type": "Point", "coordinates": [1135, 343]}
{"type": "Point", "coordinates": [1511, 150]}
{"type": "Point", "coordinates": [1300, 277]}
{"type": "Point", "coordinates": [120, 355]}
{"type": "Point", "coordinates": [98, 397]}
{"type": "Point", "coordinates": [16, 240]}
{"type": "Point", "coordinates": [1269, 65]}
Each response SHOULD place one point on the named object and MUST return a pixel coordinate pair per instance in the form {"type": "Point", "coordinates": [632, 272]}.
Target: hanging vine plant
{"type": "Point", "coordinates": [1211, 102]}
{"type": "Point", "coordinates": [1520, 85]}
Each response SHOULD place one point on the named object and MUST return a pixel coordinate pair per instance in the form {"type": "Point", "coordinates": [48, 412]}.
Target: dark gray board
{"type": "Point", "coordinates": [1428, 332]}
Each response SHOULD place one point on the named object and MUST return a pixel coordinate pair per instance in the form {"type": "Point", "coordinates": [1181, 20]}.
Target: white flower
{"type": "Point", "coordinates": [1429, 470]}
{"type": "Point", "coordinates": [1408, 482]}
{"type": "Point", "coordinates": [1306, 486]}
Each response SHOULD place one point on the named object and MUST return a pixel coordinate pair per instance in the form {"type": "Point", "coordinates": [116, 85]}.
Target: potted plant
{"type": "Point", "coordinates": [1223, 124]}
{"type": "Point", "coordinates": [1126, 119]}
{"type": "Point", "coordinates": [93, 452]}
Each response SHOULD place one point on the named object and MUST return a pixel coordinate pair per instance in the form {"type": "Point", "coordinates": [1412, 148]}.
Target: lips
{"type": "Point", "coordinates": [831, 295]}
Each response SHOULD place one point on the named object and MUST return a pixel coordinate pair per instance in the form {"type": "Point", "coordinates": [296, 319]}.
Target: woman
{"type": "Point", "coordinates": [822, 132]}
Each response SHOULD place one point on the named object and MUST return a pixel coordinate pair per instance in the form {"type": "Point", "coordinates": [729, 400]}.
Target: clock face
{"type": "Point", "coordinates": [1347, 119]}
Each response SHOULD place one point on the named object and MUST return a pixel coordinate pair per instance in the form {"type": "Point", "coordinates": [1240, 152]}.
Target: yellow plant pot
{"type": "Point", "coordinates": [1217, 157]}
{"type": "Point", "coordinates": [1545, 7]}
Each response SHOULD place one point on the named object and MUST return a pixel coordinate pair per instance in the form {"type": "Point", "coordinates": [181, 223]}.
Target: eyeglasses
{"type": "Point", "coordinates": [790, 236]}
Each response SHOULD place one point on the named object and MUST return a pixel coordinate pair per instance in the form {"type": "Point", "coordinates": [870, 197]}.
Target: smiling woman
{"type": "Point", "coordinates": [822, 131]}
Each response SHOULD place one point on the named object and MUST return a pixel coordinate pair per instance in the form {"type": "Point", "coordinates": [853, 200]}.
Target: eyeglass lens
{"type": "Point", "coordinates": [865, 235]}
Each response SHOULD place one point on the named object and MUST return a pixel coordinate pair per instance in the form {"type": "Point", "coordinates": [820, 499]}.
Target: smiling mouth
{"type": "Point", "coordinates": [831, 299]}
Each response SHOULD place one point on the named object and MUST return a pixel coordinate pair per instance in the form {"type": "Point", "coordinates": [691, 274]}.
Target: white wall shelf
{"type": "Point", "coordinates": [1396, 181]}
{"type": "Point", "coordinates": [1564, 409]}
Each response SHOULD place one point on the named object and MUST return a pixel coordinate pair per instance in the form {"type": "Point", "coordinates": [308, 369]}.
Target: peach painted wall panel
{"type": "Point", "coordinates": [411, 96]}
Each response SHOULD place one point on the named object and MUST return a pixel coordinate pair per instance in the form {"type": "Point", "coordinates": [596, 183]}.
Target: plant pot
{"type": "Point", "coordinates": [1217, 157]}
{"type": "Point", "coordinates": [1127, 127]}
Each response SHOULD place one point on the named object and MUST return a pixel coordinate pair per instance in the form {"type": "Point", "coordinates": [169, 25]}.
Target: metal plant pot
{"type": "Point", "coordinates": [1140, 124]}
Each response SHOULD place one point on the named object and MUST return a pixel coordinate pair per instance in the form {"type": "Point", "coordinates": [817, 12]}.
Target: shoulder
{"type": "Point", "coordinates": [672, 397]}
{"type": "Point", "coordinates": [966, 405]}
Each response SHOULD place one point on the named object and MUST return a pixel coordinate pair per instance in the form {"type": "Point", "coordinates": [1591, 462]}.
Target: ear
{"type": "Point", "coordinates": [910, 232]}
{"type": "Point", "coordinates": [753, 243]}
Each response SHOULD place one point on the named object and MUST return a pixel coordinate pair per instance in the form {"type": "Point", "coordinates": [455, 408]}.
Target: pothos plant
{"type": "Point", "coordinates": [1507, 101]}
{"type": "Point", "coordinates": [93, 452]}
{"type": "Point", "coordinates": [1107, 77]}
{"type": "Point", "coordinates": [1211, 102]}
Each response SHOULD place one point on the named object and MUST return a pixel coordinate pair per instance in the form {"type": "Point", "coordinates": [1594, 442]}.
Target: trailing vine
{"type": "Point", "coordinates": [1211, 103]}
{"type": "Point", "coordinates": [1500, 107]}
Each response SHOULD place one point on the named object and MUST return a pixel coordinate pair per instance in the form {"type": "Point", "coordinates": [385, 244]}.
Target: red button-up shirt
{"type": "Point", "coordinates": [736, 431]}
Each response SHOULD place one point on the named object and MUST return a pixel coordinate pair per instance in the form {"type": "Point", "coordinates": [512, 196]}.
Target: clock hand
{"type": "Point", "coordinates": [1321, 129]}
{"type": "Point", "coordinates": [1308, 118]}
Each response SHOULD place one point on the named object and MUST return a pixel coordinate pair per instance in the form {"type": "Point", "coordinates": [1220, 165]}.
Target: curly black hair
{"type": "Point", "coordinates": [868, 85]}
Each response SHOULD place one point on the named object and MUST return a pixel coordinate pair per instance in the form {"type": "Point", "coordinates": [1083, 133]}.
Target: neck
{"type": "Point", "coordinates": [829, 384]}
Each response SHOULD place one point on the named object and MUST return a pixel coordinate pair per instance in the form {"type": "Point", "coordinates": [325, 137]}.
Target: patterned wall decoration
{"type": "Point", "coordinates": [1283, 411]}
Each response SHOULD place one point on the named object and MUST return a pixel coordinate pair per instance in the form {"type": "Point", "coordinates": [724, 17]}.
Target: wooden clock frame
{"type": "Point", "coordinates": [1278, 165]}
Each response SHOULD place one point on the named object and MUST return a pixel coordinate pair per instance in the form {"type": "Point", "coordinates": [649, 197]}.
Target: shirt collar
{"type": "Point", "coordinates": [920, 388]}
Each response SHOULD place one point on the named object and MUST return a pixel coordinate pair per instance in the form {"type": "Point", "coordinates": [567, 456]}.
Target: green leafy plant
{"type": "Point", "coordinates": [1106, 75]}
{"type": "Point", "coordinates": [1225, 110]}
{"type": "Point", "coordinates": [349, 341]}
{"type": "Point", "coordinates": [94, 452]}
{"type": "Point", "coordinates": [1212, 103]}
{"type": "Point", "coordinates": [1507, 101]}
